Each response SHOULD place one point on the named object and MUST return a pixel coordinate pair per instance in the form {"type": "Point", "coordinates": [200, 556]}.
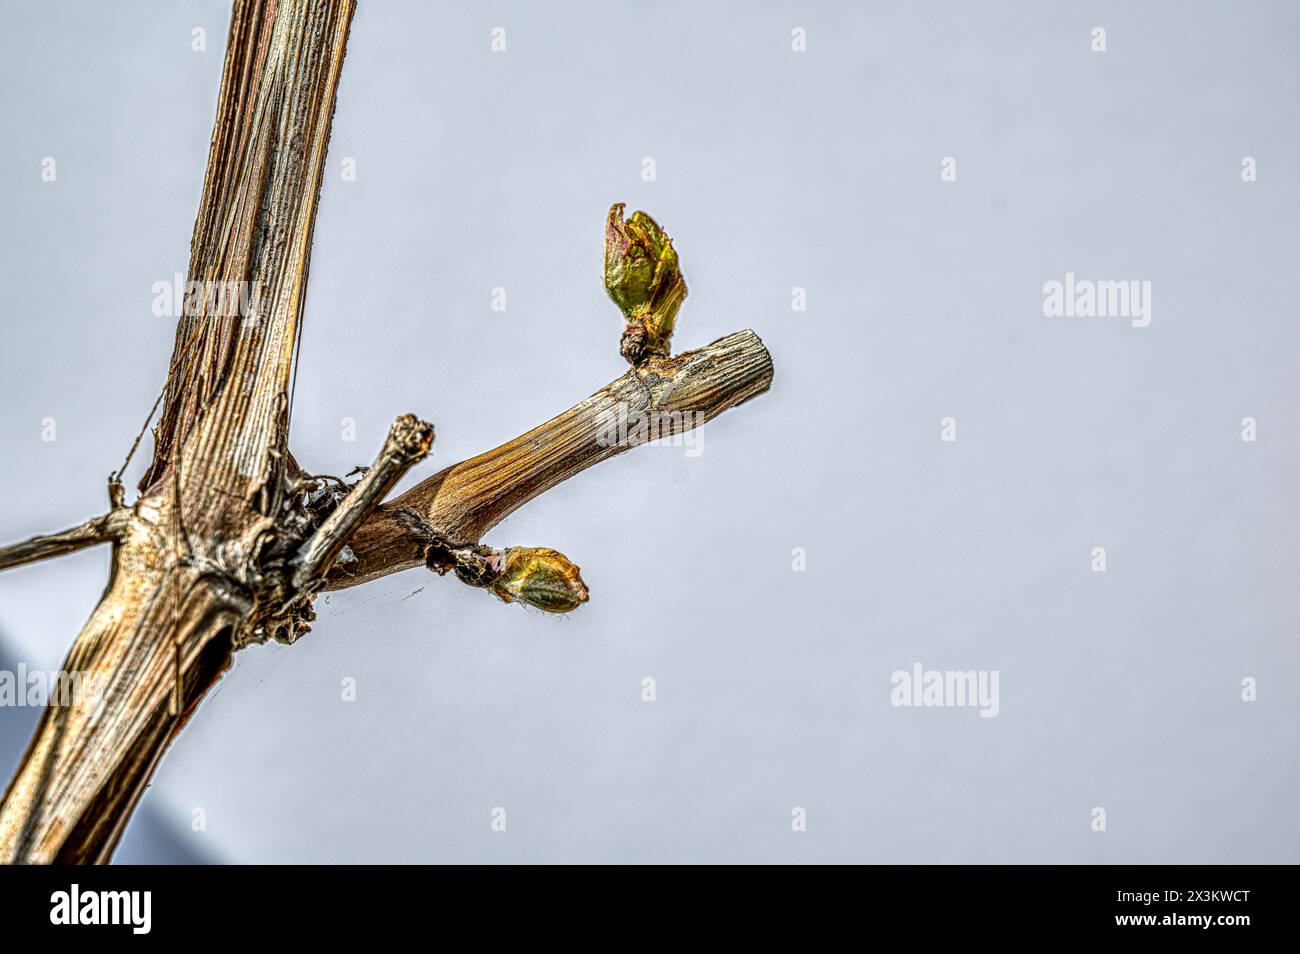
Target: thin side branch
{"type": "Point", "coordinates": [103, 529]}
{"type": "Point", "coordinates": [661, 398]}
{"type": "Point", "coordinates": [408, 443]}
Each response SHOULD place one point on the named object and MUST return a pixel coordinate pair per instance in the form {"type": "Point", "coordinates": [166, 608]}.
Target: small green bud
{"type": "Point", "coordinates": [642, 277]}
{"type": "Point", "coordinates": [540, 577]}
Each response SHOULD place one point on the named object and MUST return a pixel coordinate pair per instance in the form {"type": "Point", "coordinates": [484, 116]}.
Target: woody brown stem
{"type": "Point", "coordinates": [464, 501]}
{"type": "Point", "coordinates": [224, 547]}
{"type": "Point", "coordinates": [103, 529]}
{"type": "Point", "coordinates": [188, 582]}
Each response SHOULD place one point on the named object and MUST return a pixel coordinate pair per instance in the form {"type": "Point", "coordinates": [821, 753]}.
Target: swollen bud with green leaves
{"type": "Point", "coordinates": [642, 277]}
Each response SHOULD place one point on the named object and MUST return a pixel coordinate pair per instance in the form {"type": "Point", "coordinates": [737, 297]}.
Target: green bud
{"type": "Point", "coordinates": [540, 577]}
{"type": "Point", "coordinates": [643, 277]}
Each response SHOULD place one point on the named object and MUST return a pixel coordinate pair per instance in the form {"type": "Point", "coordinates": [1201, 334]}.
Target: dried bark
{"type": "Point", "coordinates": [459, 504]}
{"type": "Point", "coordinates": [229, 541]}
